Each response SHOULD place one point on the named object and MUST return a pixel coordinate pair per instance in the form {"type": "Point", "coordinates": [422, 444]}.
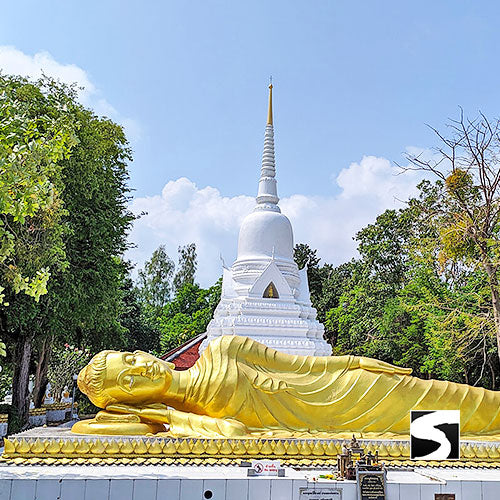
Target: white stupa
{"type": "Point", "coordinates": [264, 294]}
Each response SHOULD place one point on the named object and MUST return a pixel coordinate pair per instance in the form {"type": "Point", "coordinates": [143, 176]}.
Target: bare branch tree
{"type": "Point", "coordinates": [466, 212]}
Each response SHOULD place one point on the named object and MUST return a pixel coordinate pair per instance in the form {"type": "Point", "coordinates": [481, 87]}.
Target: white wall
{"type": "Point", "coordinates": [222, 489]}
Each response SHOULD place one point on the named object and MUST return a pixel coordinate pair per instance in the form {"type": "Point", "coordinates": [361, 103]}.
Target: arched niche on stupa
{"type": "Point", "coordinates": [271, 275]}
{"type": "Point", "coordinates": [270, 292]}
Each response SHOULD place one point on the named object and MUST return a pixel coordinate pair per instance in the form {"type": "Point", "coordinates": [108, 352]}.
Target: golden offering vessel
{"type": "Point", "coordinates": [239, 388]}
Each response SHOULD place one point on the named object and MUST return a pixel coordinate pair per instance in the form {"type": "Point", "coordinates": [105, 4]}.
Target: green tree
{"type": "Point", "coordinates": [463, 205]}
{"type": "Point", "coordinates": [384, 245]}
{"type": "Point", "coordinates": [317, 277]}
{"type": "Point", "coordinates": [187, 315]}
{"type": "Point", "coordinates": [83, 303]}
{"type": "Point", "coordinates": [155, 280]}
{"type": "Point", "coordinates": [86, 299]}
{"type": "Point", "coordinates": [66, 361]}
{"type": "Point", "coordinates": [333, 286]}
{"type": "Point", "coordinates": [173, 320]}
{"type": "Point", "coordinates": [368, 319]}
{"type": "Point", "coordinates": [399, 303]}
{"type": "Point", "coordinates": [37, 131]}
{"type": "Point", "coordinates": [142, 331]}
{"type": "Point", "coordinates": [453, 309]}
{"type": "Point", "coordinates": [304, 256]}
{"type": "Point", "coordinates": [186, 267]}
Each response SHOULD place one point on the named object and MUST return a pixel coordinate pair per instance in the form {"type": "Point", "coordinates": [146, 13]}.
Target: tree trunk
{"type": "Point", "coordinates": [491, 271]}
{"type": "Point", "coordinates": [42, 368]}
{"type": "Point", "coordinates": [19, 417]}
{"type": "Point", "coordinates": [492, 372]}
{"type": "Point", "coordinates": [495, 299]}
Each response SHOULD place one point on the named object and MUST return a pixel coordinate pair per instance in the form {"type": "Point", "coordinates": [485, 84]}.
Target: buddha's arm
{"type": "Point", "coordinates": [183, 424]}
{"type": "Point", "coordinates": [250, 351]}
{"type": "Point", "coordinates": [375, 365]}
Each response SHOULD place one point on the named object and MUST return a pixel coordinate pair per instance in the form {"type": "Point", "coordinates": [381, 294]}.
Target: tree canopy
{"type": "Point", "coordinates": [73, 230]}
{"type": "Point", "coordinates": [185, 309]}
{"type": "Point", "coordinates": [37, 131]}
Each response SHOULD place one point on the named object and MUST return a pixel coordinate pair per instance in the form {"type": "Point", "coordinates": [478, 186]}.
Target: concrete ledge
{"type": "Point", "coordinates": [225, 483]}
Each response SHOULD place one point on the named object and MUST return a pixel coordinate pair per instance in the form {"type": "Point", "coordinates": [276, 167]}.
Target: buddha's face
{"type": "Point", "coordinates": [136, 377]}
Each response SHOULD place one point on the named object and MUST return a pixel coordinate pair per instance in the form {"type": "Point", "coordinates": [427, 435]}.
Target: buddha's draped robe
{"type": "Point", "coordinates": [267, 390]}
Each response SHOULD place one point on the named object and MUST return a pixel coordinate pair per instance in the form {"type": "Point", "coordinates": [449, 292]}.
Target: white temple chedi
{"type": "Point", "coordinates": [264, 294]}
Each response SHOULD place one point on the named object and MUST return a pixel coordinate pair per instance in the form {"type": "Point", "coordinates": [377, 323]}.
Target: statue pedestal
{"type": "Point", "coordinates": [48, 463]}
{"type": "Point", "coordinates": [58, 445]}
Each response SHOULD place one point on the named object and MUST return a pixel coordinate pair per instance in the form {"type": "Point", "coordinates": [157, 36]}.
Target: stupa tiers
{"type": "Point", "coordinates": [264, 294]}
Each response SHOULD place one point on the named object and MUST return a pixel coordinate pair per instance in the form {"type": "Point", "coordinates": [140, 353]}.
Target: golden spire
{"type": "Point", "coordinates": [267, 196]}
{"type": "Point", "coordinates": [270, 109]}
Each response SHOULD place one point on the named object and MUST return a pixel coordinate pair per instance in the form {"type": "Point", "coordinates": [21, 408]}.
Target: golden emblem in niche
{"type": "Point", "coordinates": [271, 292]}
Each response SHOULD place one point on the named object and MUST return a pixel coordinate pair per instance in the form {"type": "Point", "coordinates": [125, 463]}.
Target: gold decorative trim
{"type": "Point", "coordinates": [302, 451]}
{"type": "Point", "coordinates": [234, 461]}
{"type": "Point", "coordinates": [57, 406]}
{"type": "Point", "coordinates": [35, 412]}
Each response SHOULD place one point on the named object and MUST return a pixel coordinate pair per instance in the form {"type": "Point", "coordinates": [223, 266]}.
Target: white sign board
{"type": "Point", "coordinates": [266, 467]}
{"type": "Point", "coordinates": [320, 494]}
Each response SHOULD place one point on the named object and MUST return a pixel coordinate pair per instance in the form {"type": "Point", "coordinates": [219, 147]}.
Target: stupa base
{"type": "Point", "coordinates": [296, 346]}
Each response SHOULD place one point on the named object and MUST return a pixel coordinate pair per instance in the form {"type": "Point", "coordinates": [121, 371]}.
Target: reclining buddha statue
{"type": "Point", "coordinates": [239, 388]}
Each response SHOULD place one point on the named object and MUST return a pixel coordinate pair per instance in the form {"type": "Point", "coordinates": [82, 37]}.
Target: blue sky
{"type": "Point", "coordinates": [188, 79]}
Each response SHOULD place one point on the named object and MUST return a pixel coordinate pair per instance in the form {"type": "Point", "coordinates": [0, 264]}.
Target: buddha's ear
{"type": "Point", "coordinates": [170, 365]}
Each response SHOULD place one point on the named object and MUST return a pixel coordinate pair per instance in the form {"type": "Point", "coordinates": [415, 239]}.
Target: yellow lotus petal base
{"type": "Point", "coordinates": [60, 446]}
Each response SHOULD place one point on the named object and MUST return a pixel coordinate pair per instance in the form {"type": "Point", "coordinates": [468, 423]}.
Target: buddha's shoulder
{"type": "Point", "coordinates": [235, 343]}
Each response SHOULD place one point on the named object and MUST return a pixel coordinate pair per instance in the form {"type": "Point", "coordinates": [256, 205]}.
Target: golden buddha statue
{"type": "Point", "coordinates": [240, 388]}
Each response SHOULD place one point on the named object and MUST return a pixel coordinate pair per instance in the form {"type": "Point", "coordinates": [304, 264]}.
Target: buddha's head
{"type": "Point", "coordinates": [125, 377]}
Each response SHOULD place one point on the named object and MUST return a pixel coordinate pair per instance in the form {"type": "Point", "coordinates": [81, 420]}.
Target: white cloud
{"type": "Point", "coordinates": [15, 62]}
{"type": "Point", "coordinates": [375, 178]}
{"type": "Point", "coordinates": [184, 213]}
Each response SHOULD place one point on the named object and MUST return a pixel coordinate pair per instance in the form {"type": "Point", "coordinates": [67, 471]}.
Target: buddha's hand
{"type": "Point", "coordinates": [149, 413]}
{"type": "Point", "coordinates": [375, 365]}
